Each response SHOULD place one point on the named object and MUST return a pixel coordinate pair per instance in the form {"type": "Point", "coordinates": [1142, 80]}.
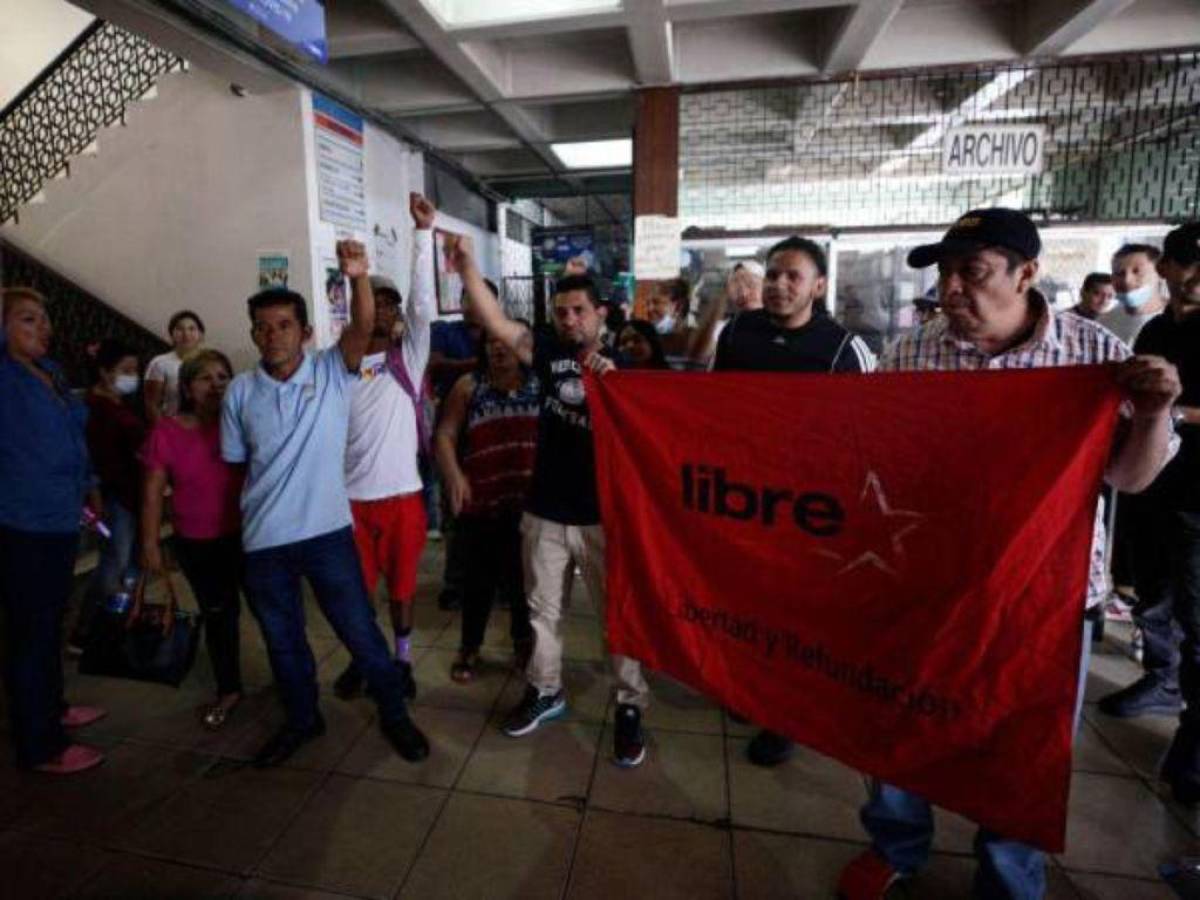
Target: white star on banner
{"type": "Point", "coordinates": [887, 559]}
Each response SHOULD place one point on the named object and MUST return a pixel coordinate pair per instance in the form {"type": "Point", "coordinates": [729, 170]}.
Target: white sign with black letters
{"type": "Point", "coordinates": [994, 150]}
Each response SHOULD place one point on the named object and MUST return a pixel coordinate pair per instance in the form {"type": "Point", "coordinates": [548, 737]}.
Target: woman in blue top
{"type": "Point", "coordinates": [44, 475]}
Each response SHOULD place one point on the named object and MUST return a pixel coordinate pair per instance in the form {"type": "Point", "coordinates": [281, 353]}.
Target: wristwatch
{"type": "Point", "coordinates": [1178, 417]}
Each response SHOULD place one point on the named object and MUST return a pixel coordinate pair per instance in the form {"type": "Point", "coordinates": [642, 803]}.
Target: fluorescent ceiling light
{"type": "Point", "coordinates": [595, 154]}
{"type": "Point", "coordinates": [461, 13]}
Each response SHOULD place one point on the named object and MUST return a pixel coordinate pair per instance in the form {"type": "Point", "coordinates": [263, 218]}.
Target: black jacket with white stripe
{"type": "Point", "coordinates": [752, 342]}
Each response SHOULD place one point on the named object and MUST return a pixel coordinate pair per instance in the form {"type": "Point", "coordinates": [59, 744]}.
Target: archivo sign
{"type": "Point", "coordinates": [994, 150]}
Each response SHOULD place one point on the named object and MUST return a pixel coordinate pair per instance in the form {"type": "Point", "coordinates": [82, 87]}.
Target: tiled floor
{"type": "Point", "coordinates": [175, 813]}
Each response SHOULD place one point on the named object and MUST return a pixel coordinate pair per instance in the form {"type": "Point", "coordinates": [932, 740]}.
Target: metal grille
{"type": "Point", "coordinates": [1122, 143]}
{"type": "Point", "coordinates": [82, 92]}
{"type": "Point", "coordinates": [78, 318]}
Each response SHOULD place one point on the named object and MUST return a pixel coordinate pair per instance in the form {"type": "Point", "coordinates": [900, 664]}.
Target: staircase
{"type": "Point", "coordinates": [78, 317]}
{"type": "Point", "coordinates": [47, 134]}
{"type": "Point", "coordinates": [57, 116]}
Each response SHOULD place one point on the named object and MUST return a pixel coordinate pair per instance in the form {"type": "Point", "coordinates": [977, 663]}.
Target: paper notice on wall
{"type": "Point", "coordinates": [337, 297]}
{"type": "Point", "coordinates": [656, 247]}
{"type": "Point", "coordinates": [385, 259]}
{"type": "Point", "coordinates": [272, 269]}
{"type": "Point", "coordinates": [341, 182]}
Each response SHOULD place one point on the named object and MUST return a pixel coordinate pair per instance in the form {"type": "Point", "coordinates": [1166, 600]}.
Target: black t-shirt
{"type": "Point", "coordinates": [752, 342]}
{"type": "Point", "coordinates": [1178, 485]}
{"type": "Point", "coordinates": [564, 473]}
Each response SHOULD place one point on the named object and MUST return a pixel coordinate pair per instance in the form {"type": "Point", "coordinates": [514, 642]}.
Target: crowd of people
{"type": "Point", "coordinates": [246, 460]}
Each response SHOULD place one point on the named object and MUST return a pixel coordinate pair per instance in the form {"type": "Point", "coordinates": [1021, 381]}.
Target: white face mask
{"type": "Point", "coordinates": [1136, 299]}
{"type": "Point", "coordinates": [665, 325]}
{"type": "Point", "coordinates": [125, 384]}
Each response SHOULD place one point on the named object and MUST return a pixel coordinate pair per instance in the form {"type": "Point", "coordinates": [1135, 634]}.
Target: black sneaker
{"type": "Point", "coordinates": [769, 749]}
{"type": "Point", "coordinates": [629, 742]}
{"type": "Point", "coordinates": [349, 684]}
{"type": "Point", "coordinates": [406, 738]}
{"type": "Point", "coordinates": [284, 744]}
{"type": "Point", "coordinates": [1148, 696]}
{"type": "Point", "coordinates": [532, 711]}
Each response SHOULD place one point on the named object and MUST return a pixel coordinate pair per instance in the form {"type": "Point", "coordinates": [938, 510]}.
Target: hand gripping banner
{"type": "Point", "coordinates": [890, 569]}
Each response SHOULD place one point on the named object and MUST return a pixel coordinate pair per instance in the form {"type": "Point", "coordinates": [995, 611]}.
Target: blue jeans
{"type": "Point", "coordinates": [330, 563]}
{"type": "Point", "coordinates": [36, 571]}
{"type": "Point", "coordinates": [901, 828]}
{"type": "Point", "coordinates": [116, 564]}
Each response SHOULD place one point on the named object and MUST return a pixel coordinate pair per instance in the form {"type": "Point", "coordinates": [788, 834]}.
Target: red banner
{"type": "Point", "coordinates": [890, 569]}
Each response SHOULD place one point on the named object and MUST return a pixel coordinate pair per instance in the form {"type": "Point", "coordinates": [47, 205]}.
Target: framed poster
{"type": "Point", "coordinates": [272, 270]}
{"type": "Point", "coordinates": [446, 278]}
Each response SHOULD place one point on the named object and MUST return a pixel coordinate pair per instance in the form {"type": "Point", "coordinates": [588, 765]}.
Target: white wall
{"type": "Point", "coordinates": [391, 172]}
{"type": "Point", "coordinates": [175, 207]}
{"type": "Point", "coordinates": [32, 34]}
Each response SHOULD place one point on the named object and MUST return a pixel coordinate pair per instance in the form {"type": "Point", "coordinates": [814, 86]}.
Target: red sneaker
{"type": "Point", "coordinates": [79, 716]}
{"type": "Point", "coordinates": [76, 758]}
{"type": "Point", "coordinates": [866, 877]}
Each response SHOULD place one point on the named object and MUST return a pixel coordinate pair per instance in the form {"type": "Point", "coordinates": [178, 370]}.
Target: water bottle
{"type": "Point", "coordinates": [119, 603]}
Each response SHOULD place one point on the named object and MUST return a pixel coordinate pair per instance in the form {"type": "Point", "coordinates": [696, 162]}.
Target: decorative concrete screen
{"type": "Point", "coordinates": [1118, 139]}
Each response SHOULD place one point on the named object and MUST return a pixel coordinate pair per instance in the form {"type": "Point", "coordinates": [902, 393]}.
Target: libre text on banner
{"type": "Point", "coordinates": [889, 569]}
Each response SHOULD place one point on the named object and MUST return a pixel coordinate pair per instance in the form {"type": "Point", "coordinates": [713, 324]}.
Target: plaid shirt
{"type": "Point", "coordinates": [1059, 339]}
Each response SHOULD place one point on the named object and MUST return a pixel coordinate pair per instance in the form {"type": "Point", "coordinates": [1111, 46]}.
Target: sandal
{"type": "Point", "coordinates": [464, 667]}
{"type": "Point", "coordinates": [215, 715]}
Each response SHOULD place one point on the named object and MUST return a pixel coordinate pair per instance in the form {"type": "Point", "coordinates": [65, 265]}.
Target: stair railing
{"type": "Point", "coordinates": [83, 90]}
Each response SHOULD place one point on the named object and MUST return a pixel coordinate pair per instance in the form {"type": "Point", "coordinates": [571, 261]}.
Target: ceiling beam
{"type": "Point", "coordinates": [505, 30]}
{"type": "Point", "coordinates": [650, 42]}
{"type": "Point", "coordinates": [697, 10]}
{"type": "Point", "coordinates": [470, 68]}
{"type": "Point", "coordinates": [1059, 26]}
{"type": "Point", "coordinates": [372, 44]}
{"type": "Point", "coordinates": [860, 29]}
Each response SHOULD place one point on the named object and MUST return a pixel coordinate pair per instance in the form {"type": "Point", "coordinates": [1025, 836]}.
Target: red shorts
{"type": "Point", "coordinates": [390, 535]}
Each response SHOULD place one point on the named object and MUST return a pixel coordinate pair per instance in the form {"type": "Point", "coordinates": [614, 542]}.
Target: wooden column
{"type": "Point", "coordinates": [655, 164]}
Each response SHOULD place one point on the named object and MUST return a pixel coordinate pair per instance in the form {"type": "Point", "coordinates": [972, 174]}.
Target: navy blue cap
{"type": "Point", "coordinates": [979, 228]}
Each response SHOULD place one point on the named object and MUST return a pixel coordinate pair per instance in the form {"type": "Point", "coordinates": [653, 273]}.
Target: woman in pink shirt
{"type": "Point", "coordinates": [184, 451]}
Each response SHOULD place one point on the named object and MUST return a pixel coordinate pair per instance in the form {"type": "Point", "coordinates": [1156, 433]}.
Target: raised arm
{"type": "Point", "coordinates": [703, 346]}
{"type": "Point", "coordinates": [486, 306]}
{"type": "Point", "coordinates": [352, 258]}
{"type": "Point", "coordinates": [421, 309]}
{"type": "Point", "coordinates": [450, 426]}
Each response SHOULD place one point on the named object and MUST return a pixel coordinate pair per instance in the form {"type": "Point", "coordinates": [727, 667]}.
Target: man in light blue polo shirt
{"type": "Point", "coordinates": [287, 420]}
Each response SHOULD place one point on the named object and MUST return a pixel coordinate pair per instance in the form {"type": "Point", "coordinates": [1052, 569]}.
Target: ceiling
{"type": "Point", "coordinates": [490, 84]}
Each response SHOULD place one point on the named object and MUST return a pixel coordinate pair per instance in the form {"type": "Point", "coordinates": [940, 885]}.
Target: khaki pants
{"type": "Point", "coordinates": [551, 552]}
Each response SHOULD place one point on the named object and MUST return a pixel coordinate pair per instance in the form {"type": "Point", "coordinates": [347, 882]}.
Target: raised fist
{"type": "Point", "coordinates": [352, 258]}
{"type": "Point", "coordinates": [422, 210]}
{"type": "Point", "coordinates": [457, 250]}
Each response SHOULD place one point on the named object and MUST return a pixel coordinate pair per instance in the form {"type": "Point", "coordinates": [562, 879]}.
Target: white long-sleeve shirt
{"type": "Point", "coordinates": [381, 447]}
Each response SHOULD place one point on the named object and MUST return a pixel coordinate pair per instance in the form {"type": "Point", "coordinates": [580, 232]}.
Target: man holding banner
{"type": "Point", "coordinates": [561, 527]}
{"type": "Point", "coordinates": [995, 319]}
{"type": "Point", "coordinates": [788, 334]}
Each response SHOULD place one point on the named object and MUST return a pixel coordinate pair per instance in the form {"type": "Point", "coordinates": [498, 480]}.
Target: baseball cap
{"type": "Point", "coordinates": [1182, 245]}
{"type": "Point", "coordinates": [753, 266]}
{"type": "Point", "coordinates": [383, 283]}
{"type": "Point", "coordinates": [979, 228]}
